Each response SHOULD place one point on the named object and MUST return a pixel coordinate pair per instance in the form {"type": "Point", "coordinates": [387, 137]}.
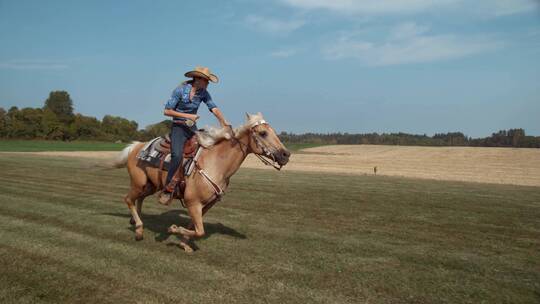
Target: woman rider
{"type": "Point", "coordinates": [182, 107]}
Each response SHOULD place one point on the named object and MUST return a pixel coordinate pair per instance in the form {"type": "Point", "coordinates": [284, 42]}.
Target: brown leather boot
{"type": "Point", "coordinates": [176, 184]}
{"type": "Point", "coordinates": [166, 196]}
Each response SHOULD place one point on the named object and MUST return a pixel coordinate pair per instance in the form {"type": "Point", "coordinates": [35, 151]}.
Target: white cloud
{"type": "Point", "coordinates": [32, 65]}
{"type": "Point", "coordinates": [369, 6]}
{"type": "Point", "coordinates": [408, 30]}
{"type": "Point", "coordinates": [284, 53]}
{"type": "Point", "coordinates": [273, 26]}
{"type": "Point", "coordinates": [509, 7]}
{"type": "Point", "coordinates": [407, 43]}
{"type": "Point", "coordinates": [381, 7]}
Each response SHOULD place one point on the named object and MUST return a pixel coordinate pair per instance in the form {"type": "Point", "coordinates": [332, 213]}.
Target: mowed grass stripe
{"type": "Point", "coordinates": [31, 209]}
{"type": "Point", "coordinates": [417, 232]}
{"type": "Point", "coordinates": [51, 194]}
{"type": "Point", "coordinates": [52, 274]}
{"type": "Point", "coordinates": [109, 264]}
{"type": "Point", "coordinates": [409, 233]}
{"type": "Point", "coordinates": [66, 188]}
{"type": "Point", "coordinates": [108, 224]}
{"type": "Point", "coordinates": [80, 180]}
{"type": "Point", "coordinates": [87, 199]}
{"type": "Point", "coordinates": [124, 263]}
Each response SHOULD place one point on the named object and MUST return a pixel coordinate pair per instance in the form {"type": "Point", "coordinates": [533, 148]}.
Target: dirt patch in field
{"type": "Point", "coordinates": [489, 165]}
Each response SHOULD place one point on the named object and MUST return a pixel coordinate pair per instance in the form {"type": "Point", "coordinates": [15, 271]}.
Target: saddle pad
{"type": "Point", "coordinates": [148, 151]}
{"type": "Point", "coordinates": [151, 155]}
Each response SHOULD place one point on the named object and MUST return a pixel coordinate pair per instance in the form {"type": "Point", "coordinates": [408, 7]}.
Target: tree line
{"type": "Point", "coordinates": [56, 120]}
{"type": "Point", "coordinates": [504, 138]}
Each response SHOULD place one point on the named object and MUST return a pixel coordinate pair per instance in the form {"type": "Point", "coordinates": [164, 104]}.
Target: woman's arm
{"type": "Point", "coordinates": [173, 113]}
{"type": "Point", "coordinates": [170, 106]}
{"type": "Point", "coordinates": [222, 121]}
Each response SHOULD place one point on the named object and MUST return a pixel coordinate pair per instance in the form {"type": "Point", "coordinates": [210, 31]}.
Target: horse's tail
{"type": "Point", "coordinates": [122, 158]}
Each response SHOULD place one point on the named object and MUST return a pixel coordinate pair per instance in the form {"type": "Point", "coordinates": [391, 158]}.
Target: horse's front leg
{"type": "Point", "coordinates": [195, 212]}
{"type": "Point", "coordinates": [205, 209]}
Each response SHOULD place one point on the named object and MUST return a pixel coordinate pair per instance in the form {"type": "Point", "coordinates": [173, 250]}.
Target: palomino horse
{"type": "Point", "coordinates": [223, 154]}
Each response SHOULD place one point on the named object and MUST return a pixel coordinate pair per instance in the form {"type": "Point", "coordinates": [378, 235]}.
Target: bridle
{"type": "Point", "coordinates": [259, 145]}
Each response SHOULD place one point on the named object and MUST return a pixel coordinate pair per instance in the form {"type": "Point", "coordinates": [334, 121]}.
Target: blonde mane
{"type": "Point", "coordinates": [213, 135]}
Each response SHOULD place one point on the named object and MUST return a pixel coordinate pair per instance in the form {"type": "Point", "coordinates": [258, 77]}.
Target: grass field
{"type": "Point", "coordinates": [278, 237]}
{"type": "Point", "coordinates": [52, 145]}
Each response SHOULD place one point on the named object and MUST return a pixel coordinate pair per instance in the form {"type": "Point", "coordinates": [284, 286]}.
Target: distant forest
{"type": "Point", "coordinates": [504, 138]}
{"type": "Point", "coordinates": [57, 121]}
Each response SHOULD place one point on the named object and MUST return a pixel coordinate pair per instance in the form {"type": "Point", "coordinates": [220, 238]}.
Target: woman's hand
{"type": "Point", "coordinates": [224, 123]}
{"type": "Point", "coordinates": [192, 117]}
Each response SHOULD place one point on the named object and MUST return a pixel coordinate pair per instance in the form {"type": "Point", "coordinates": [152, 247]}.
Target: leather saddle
{"type": "Point", "coordinates": [157, 152]}
{"type": "Point", "coordinates": [163, 145]}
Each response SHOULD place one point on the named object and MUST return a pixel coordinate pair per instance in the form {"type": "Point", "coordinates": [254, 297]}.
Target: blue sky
{"type": "Point", "coordinates": [414, 66]}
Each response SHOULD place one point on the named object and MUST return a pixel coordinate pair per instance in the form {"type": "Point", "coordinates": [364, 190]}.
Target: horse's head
{"type": "Point", "coordinates": [264, 140]}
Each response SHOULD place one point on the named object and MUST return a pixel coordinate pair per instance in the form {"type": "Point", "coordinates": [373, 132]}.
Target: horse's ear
{"type": "Point", "coordinates": [248, 116]}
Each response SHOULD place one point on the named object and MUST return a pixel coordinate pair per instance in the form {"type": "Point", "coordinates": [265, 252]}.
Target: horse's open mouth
{"type": "Point", "coordinates": [282, 156]}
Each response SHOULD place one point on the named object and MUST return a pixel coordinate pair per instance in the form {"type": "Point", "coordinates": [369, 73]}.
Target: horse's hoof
{"type": "Point", "coordinates": [186, 247]}
{"type": "Point", "coordinates": [139, 233]}
{"type": "Point", "coordinates": [132, 221]}
{"type": "Point", "coordinates": [172, 229]}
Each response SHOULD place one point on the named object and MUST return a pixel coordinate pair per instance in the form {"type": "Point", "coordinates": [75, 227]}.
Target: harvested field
{"type": "Point", "coordinates": [470, 164]}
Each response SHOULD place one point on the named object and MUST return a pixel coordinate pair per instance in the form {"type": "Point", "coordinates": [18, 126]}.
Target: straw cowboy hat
{"type": "Point", "coordinates": [203, 72]}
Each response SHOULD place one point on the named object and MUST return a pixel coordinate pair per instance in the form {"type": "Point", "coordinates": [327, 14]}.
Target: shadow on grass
{"type": "Point", "coordinates": [159, 223]}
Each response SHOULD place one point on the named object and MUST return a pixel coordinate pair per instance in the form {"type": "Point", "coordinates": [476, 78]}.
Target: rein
{"type": "Point", "coordinates": [268, 163]}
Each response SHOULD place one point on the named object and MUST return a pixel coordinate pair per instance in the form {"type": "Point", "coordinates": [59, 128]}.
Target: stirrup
{"type": "Point", "coordinates": [165, 198]}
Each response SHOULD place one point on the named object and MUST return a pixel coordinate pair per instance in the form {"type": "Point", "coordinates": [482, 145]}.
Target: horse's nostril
{"type": "Point", "coordinates": [286, 153]}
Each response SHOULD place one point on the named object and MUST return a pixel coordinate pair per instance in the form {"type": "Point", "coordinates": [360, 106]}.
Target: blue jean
{"type": "Point", "coordinates": [179, 135]}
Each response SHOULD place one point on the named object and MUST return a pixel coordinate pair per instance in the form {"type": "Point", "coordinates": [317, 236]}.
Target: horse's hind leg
{"type": "Point", "coordinates": [149, 189]}
{"type": "Point", "coordinates": [130, 199]}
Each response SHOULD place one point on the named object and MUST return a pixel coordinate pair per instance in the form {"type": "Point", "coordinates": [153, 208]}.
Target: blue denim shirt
{"type": "Point", "coordinates": [180, 102]}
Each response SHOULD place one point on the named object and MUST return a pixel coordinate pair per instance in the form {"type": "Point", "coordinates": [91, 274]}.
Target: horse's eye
{"type": "Point", "coordinates": [263, 133]}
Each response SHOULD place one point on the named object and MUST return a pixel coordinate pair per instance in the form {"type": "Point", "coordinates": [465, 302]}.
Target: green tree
{"type": "Point", "coordinates": [3, 122]}
{"type": "Point", "coordinates": [24, 123]}
{"type": "Point", "coordinates": [119, 128]}
{"type": "Point", "coordinates": [85, 127]}
{"type": "Point", "coordinates": [61, 104]}
{"type": "Point", "coordinates": [52, 127]}
{"type": "Point", "coordinates": [159, 129]}
{"type": "Point", "coordinates": [516, 135]}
